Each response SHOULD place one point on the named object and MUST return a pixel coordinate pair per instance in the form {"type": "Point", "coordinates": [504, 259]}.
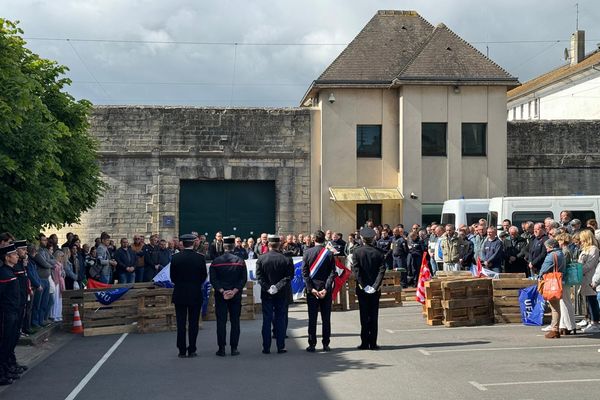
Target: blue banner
{"type": "Point", "coordinates": [298, 284]}
{"type": "Point", "coordinates": [107, 297]}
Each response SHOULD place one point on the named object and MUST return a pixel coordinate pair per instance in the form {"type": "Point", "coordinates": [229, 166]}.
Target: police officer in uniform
{"type": "Point", "coordinates": [369, 269]}
{"type": "Point", "coordinates": [228, 276]}
{"type": "Point", "coordinates": [20, 271]}
{"type": "Point", "coordinates": [318, 271]}
{"type": "Point", "coordinates": [188, 274]}
{"type": "Point", "coordinates": [400, 255]}
{"type": "Point", "coordinates": [274, 272]}
{"type": "Point", "coordinates": [9, 314]}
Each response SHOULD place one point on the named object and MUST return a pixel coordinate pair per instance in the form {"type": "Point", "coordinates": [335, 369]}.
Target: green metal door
{"type": "Point", "coordinates": [241, 208]}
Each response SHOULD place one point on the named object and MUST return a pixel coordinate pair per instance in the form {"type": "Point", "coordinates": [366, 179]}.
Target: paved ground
{"type": "Point", "coordinates": [417, 362]}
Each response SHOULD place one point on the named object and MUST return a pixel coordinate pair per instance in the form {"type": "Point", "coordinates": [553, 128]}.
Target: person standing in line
{"type": "Point", "coordinates": [105, 259]}
{"type": "Point", "coordinates": [126, 262]}
{"type": "Point", "coordinates": [216, 247]}
{"type": "Point", "coordinates": [228, 277]}
{"type": "Point", "coordinates": [188, 274]}
{"type": "Point", "coordinates": [369, 269]}
{"type": "Point", "coordinates": [318, 271]}
{"type": "Point", "coordinates": [274, 272]}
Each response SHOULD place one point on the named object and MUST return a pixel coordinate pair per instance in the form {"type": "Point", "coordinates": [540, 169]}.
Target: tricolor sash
{"type": "Point", "coordinates": [316, 266]}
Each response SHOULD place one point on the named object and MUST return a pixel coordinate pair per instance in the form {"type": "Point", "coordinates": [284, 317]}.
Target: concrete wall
{"type": "Point", "coordinates": [558, 158]}
{"type": "Point", "coordinates": [145, 151]}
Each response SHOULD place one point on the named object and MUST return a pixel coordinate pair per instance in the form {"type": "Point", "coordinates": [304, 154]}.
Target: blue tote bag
{"type": "Point", "coordinates": [532, 304]}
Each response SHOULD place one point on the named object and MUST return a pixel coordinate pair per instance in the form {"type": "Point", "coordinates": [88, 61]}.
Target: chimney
{"type": "Point", "coordinates": [577, 47]}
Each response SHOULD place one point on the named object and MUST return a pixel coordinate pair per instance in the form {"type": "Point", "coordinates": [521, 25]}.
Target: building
{"type": "Point", "coordinates": [570, 92]}
{"type": "Point", "coordinates": [407, 116]}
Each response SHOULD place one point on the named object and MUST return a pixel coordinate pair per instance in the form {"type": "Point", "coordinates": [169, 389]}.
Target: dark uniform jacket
{"type": "Point", "coordinates": [21, 273]}
{"type": "Point", "coordinates": [399, 246]}
{"type": "Point", "coordinates": [228, 272]}
{"type": "Point", "coordinates": [273, 268]}
{"type": "Point", "coordinates": [368, 266]}
{"type": "Point", "coordinates": [188, 274]}
{"type": "Point", "coordinates": [240, 252]}
{"type": "Point", "coordinates": [324, 277]}
{"type": "Point", "coordinates": [339, 245]}
{"type": "Point", "coordinates": [125, 258]}
{"type": "Point", "coordinates": [9, 291]}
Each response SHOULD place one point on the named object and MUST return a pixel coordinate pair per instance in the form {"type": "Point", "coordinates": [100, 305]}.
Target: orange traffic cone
{"type": "Point", "coordinates": [77, 325]}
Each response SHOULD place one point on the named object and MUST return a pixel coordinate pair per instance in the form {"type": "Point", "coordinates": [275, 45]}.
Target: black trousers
{"type": "Point", "coordinates": [368, 305]}
{"type": "Point", "coordinates": [314, 306]}
{"type": "Point", "coordinates": [223, 307]}
{"type": "Point", "coordinates": [10, 324]}
{"type": "Point", "coordinates": [190, 314]}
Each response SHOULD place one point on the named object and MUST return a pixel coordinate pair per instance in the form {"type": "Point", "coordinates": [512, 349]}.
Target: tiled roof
{"type": "Point", "coordinates": [554, 76]}
{"type": "Point", "coordinates": [401, 46]}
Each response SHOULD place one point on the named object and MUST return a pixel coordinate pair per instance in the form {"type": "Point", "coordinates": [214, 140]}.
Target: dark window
{"type": "Point", "coordinates": [583, 216]}
{"type": "Point", "coordinates": [368, 141]}
{"type": "Point", "coordinates": [448, 219]}
{"type": "Point", "coordinates": [492, 218]}
{"type": "Point", "coordinates": [473, 218]}
{"type": "Point", "coordinates": [433, 139]}
{"type": "Point", "coordinates": [474, 139]}
{"type": "Point", "coordinates": [368, 211]}
{"type": "Point", "coordinates": [518, 217]}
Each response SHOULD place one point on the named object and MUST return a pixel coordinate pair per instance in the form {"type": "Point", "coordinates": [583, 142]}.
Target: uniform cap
{"type": "Point", "coordinates": [367, 233]}
{"type": "Point", "coordinates": [229, 239]}
{"type": "Point", "coordinates": [273, 239]}
{"type": "Point", "coordinates": [7, 250]}
{"type": "Point", "coordinates": [188, 237]}
{"type": "Point", "coordinates": [19, 244]}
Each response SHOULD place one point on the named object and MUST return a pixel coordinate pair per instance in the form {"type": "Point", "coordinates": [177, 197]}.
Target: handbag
{"type": "Point", "coordinates": [552, 287]}
{"type": "Point", "coordinates": [574, 274]}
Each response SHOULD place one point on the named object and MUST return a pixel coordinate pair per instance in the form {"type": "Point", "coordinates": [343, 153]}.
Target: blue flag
{"type": "Point", "coordinates": [298, 284]}
{"type": "Point", "coordinates": [107, 297]}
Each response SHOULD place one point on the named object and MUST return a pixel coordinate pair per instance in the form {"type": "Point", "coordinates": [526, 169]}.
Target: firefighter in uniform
{"type": "Point", "coordinates": [274, 273]}
{"type": "Point", "coordinates": [20, 271]}
{"type": "Point", "coordinates": [369, 269]}
{"type": "Point", "coordinates": [188, 274]}
{"type": "Point", "coordinates": [228, 276]}
{"type": "Point", "coordinates": [9, 314]}
{"type": "Point", "coordinates": [318, 271]}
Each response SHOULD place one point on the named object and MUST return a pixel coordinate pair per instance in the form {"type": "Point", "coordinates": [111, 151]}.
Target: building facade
{"type": "Point", "coordinates": [408, 116]}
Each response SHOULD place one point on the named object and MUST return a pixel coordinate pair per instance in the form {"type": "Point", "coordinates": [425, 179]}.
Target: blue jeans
{"type": "Point", "coordinates": [274, 312]}
{"type": "Point", "coordinates": [39, 310]}
{"type": "Point", "coordinates": [126, 277]}
{"type": "Point", "coordinates": [434, 266]}
{"type": "Point", "coordinates": [105, 279]}
{"type": "Point", "coordinates": [139, 274]}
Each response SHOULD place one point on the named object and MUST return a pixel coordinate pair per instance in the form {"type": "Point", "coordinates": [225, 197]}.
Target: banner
{"type": "Point", "coordinates": [94, 284]}
{"type": "Point", "coordinates": [107, 297]}
{"type": "Point", "coordinates": [342, 273]}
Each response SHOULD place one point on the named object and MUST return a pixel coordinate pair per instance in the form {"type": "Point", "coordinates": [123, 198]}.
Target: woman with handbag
{"type": "Point", "coordinates": [567, 311]}
{"type": "Point", "coordinates": [551, 281]}
{"type": "Point", "coordinates": [589, 259]}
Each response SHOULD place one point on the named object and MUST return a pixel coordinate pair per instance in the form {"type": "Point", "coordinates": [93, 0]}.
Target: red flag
{"type": "Point", "coordinates": [479, 268]}
{"type": "Point", "coordinates": [424, 275]}
{"type": "Point", "coordinates": [341, 276]}
{"type": "Point", "coordinates": [94, 284]}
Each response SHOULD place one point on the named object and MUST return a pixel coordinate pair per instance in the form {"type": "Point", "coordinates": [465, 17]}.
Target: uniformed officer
{"type": "Point", "coordinates": [369, 269]}
{"type": "Point", "coordinates": [20, 271]}
{"type": "Point", "coordinates": [318, 271]}
{"type": "Point", "coordinates": [400, 254]}
{"type": "Point", "coordinates": [274, 272]}
{"type": "Point", "coordinates": [188, 274]}
{"type": "Point", "coordinates": [228, 276]}
{"type": "Point", "coordinates": [9, 314]}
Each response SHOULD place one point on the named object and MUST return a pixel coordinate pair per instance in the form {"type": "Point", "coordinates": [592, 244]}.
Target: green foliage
{"type": "Point", "coordinates": [49, 171]}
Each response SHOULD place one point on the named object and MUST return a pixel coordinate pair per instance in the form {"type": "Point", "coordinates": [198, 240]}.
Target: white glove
{"type": "Point", "coordinates": [369, 289]}
{"type": "Point", "coordinates": [272, 290]}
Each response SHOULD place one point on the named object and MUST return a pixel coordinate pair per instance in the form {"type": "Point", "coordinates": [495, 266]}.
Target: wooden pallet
{"type": "Point", "coordinates": [506, 299]}
{"type": "Point", "coordinates": [247, 304]}
{"type": "Point", "coordinates": [434, 312]}
{"type": "Point", "coordinates": [391, 291]}
{"type": "Point", "coordinates": [467, 302]}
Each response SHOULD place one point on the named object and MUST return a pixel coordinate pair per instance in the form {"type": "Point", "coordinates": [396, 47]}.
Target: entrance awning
{"type": "Point", "coordinates": [364, 194]}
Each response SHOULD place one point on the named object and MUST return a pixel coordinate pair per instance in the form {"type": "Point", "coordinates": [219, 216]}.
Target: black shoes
{"type": "Point", "coordinates": [326, 348]}
{"type": "Point", "coordinates": [281, 351]}
{"type": "Point", "coordinates": [235, 352]}
{"type": "Point", "coordinates": [220, 352]}
{"type": "Point", "coordinates": [375, 347]}
{"type": "Point", "coordinates": [362, 347]}
{"type": "Point", "coordinates": [310, 349]}
{"type": "Point", "coordinates": [181, 355]}
{"type": "Point", "coordinates": [5, 381]}
{"type": "Point", "coordinates": [266, 351]}
{"type": "Point", "coordinates": [192, 354]}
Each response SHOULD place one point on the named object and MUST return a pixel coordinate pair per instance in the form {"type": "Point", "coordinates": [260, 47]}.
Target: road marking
{"type": "Point", "coordinates": [433, 329]}
{"type": "Point", "coordinates": [424, 352]}
{"type": "Point", "coordinates": [483, 386]}
{"type": "Point", "coordinates": [389, 331]}
{"type": "Point", "coordinates": [95, 369]}
{"type": "Point", "coordinates": [514, 348]}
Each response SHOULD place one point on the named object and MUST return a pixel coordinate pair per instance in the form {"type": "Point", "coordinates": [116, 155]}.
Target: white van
{"type": "Point", "coordinates": [464, 211]}
{"type": "Point", "coordinates": [536, 209]}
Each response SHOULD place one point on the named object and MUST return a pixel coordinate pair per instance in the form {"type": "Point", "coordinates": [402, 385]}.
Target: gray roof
{"type": "Point", "coordinates": [401, 47]}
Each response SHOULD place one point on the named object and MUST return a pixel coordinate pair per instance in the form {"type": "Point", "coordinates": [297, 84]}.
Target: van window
{"type": "Point", "coordinates": [448, 219]}
{"type": "Point", "coordinates": [492, 218]}
{"type": "Point", "coordinates": [518, 217]}
{"type": "Point", "coordinates": [583, 215]}
{"type": "Point", "coordinates": [473, 218]}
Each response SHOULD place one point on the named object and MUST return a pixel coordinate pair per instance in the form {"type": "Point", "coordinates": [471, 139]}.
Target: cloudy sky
{"type": "Point", "coordinates": [265, 53]}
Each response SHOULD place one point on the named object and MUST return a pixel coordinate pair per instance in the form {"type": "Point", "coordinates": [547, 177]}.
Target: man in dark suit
{"type": "Point", "coordinates": [228, 276]}
{"type": "Point", "coordinates": [318, 271]}
{"type": "Point", "coordinates": [274, 272]}
{"type": "Point", "coordinates": [215, 249]}
{"type": "Point", "coordinates": [188, 274]}
{"type": "Point", "coordinates": [369, 269]}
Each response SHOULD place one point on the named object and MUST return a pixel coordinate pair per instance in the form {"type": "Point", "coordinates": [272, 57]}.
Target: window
{"type": "Point", "coordinates": [536, 108]}
{"type": "Point", "coordinates": [474, 139]}
{"type": "Point", "coordinates": [583, 215]}
{"type": "Point", "coordinates": [518, 217]}
{"type": "Point", "coordinates": [368, 141]}
{"type": "Point", "coordinates": [492, 218]}
{"type": "Point", "coordinates": [365, 212]}
{"type": "Point", "coordinates": [448, 219]}
{"type": "Point", "coordinates": [433, 139]}
{"type": "Point", "coordinates": [473, 218]}
{"type": "Point", "coordinates": [430, 212]}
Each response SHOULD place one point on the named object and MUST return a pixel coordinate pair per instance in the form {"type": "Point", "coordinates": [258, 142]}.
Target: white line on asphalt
{"type": "Point", "coordinates": [389, 331]}
{"type": "Point", "coordinates": [483, 386]}
{"type": "Point", "coordinates": [95, 369]}
{"type": "Point", "coordinates": [424, 352]}
{"type": "Point", "coordinates": [513, 348]}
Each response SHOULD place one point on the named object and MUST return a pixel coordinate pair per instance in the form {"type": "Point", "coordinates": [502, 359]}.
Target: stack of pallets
{"type": "Point", "coordinates": [467, 302]}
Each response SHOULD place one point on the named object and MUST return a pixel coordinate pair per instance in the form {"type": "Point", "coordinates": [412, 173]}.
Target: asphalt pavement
{"type": "Point", "coordinates": [416, 362]}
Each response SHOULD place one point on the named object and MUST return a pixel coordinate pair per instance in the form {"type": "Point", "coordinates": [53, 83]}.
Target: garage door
{"type": "Point", "coordinates": [242, 208]}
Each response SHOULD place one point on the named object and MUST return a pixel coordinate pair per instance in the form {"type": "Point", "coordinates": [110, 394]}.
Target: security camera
{"type": "Point", "coordinates": [413, 196]}
{"type": "Point", "coordinates": [331, 98]}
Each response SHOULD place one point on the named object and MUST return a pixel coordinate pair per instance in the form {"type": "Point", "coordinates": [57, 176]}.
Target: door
{"type": "Point", "coordinates": [241, 208]}
{"type": "Point", "coordinates": [368, 211]}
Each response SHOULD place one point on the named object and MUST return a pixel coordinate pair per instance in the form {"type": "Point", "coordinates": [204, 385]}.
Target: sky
{"type": "Point", "coordinates": [260, 53]}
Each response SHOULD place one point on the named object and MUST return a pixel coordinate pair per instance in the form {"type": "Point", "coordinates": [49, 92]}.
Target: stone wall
{"type": "Point", "coordinates": [557, 158]}
{"type": "Point", "coordinates": [145, 151]}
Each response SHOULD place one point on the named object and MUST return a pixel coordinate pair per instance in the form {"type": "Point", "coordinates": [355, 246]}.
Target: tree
{"type": "Point", "coordinates": [49, 172]}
